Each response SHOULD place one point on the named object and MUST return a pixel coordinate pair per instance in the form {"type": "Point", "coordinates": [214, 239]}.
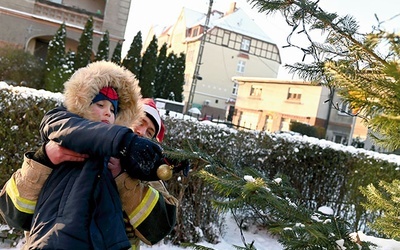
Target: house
{"type": "Point", "coordinates": [269, 104]}
{"type": "Point", "coordinates": [31, 24]}
{"type": "Point", "coordinates": [232, 44]}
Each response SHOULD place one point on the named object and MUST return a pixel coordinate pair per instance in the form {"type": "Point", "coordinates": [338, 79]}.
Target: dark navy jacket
{"type": "Point", "coordinates": [79, 206]}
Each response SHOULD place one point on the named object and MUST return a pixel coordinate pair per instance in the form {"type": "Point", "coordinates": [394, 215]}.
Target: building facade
{"type": "Point", "coordinates": [266, 104]}
{"type": "Point", "coordinates": [233, 45]}
{"type": "Point", "coordinates": [31, 24]}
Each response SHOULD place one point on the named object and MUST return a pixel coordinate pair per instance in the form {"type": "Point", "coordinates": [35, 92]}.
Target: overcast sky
{"type": "Point", "coordinates": [161, 13]}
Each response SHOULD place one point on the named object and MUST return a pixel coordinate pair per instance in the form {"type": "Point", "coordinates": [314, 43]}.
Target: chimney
{"type": "Point", "coordinates": [232, 8]}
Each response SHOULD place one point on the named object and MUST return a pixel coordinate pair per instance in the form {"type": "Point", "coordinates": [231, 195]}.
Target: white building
{"type": "Point", "coordinates": [234, 46]}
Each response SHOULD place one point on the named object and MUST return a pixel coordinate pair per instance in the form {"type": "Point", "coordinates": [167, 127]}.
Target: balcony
{"type": "Point", "coordinates": [67, 14]}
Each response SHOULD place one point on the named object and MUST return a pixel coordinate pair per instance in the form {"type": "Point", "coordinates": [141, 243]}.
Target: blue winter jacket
{"type": "Point", "coordinates": [79, 206]}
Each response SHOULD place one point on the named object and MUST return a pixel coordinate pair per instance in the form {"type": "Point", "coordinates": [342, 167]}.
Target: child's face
{"type": "Point", "coordinates": [145, 128]}
{"type": "Point", "coordinates": [103, 111]}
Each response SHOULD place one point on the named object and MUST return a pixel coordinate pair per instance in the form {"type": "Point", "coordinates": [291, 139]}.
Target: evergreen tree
{"type": "Point", "coordinates": [384, 200]}
{"type": "Point", "coordinates": [116, 56]}
{"type": "Point", "coordinates": [170, 78]}
{"type": "Point", "coordinates": [104, 47]}
{"type": "Point", "coordinates": [161, 72]}
{"type": "Point", "coordinates": [362, 68]}
{"type": "Point", "coordinates": [55, 60]}
{"type": "Point", "coordinates": [68, 67]}
{"type": "Point", "coordinates": [175, 79]}
{"type": "Point", "coordinates": [84, 51]}
{"type": "Point", "coordinates": [133, 59]}
{"type": "Point", "coordinates": [179, 77]}
{"type": "Point", "coordinates": [254, 199]}
{"type": "Point", "coordinates": [148, 70]}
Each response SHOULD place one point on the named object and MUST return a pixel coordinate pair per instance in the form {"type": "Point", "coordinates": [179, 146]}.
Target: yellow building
{"type": "Point", "coordinates": [31, 24]}
{"type": "Point", "coordinates": [268, 104]}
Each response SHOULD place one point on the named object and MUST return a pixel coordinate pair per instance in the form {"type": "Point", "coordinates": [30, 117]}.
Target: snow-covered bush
{"type": "Point", "coordinates": [20, 116]}
{"type": "Point", "coordinates": [322, 176]}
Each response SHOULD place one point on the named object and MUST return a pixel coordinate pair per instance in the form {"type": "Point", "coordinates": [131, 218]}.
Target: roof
{"type": "Point", "coordinates": [237, 22]}
{"type": "Point", "coordinates": [193, 17]}
{"type": "Point", "coordinates": [270, 80]}
{"type": "Point", "coordinates": [240, 22]}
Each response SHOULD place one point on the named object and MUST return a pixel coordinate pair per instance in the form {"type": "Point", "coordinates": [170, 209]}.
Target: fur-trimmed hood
{"type": "Point", "coordinates": [87, 82]}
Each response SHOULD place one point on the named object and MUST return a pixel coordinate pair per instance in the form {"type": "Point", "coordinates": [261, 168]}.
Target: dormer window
{"type": "Point", "coordinates": [245, 44]}
{"type": "Point", "coordinates": [195, 31]}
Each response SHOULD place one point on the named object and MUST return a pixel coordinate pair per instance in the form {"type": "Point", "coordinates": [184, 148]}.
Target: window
{"type": "Point", "coordinates": [226, 37]}
{"type": "Point", "coordinates": [268, 123]}
{"type": "Point", "coordinates": [344, 108]}
{"type": "Point", "coordinates": [340, 139]}
{"type": "Point", "coordinates": [285, 124]}
{"type": "Point", "coordinates": [195, 32]}
{"type": "Point", "coordinates": [245, 44]}
{"type": "Point", "coordinates": [294, 94]}
{"type": "Point", "coordinates": [256, 91]}
{"type": "Point", "coordinates": [235, 88]}
{"type": "Point", "coordinates": [240, 66]}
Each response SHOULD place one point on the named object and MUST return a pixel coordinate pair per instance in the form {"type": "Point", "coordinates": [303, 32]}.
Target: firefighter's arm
{"type": "Point", "coordinates": [19, 195]}
{"type": "Point", "coordinates": [146, 209]}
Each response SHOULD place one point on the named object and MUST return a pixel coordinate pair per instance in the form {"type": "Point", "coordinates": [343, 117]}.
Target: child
{"type": "Point", "coordinates": [136, 195]}
{"type": "Point", "coordinates": [78, 206]}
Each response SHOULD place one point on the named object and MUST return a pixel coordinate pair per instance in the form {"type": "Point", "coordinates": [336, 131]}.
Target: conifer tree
{"type": "Point", "coordinates": [384, 200]}
{"type": "Point", "coordinates": [116, 56]}
{"type": "Point", "coordinates": [103, 48]}
{"type": "Point", "coordinates": [161, 72]}
{"type": "Point", "coordinates": [84, 51]}
{"type": "Point", "coordinates": [254, 199]}
{"type": "Point", "coordinates": [179, 77]}
{"type": "Point", "coordinates": [170, 79]}
{"type": "Point", "coordinates": [55, 60]}
{"type": "Point", "coordinates": [133, 59]}
{"type": "Point", "coordinates": [68, 68]}
{"type": "Point", "coordinates": [362, 68]}
{"type": "Point", "coordinates": [148, 70]}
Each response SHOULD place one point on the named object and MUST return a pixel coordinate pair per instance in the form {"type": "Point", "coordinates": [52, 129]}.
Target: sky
{"type": "Point", "coordinates": [263, 240]}
{"type": "Point", "coordinates": [161, 13]}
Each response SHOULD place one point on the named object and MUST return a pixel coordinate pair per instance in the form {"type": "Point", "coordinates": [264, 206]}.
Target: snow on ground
{"type": "Point", "coordinates": [231, 236]}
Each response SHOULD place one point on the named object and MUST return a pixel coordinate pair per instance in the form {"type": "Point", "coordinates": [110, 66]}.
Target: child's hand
{"type": "Point", "coordinates": [140, 157]}
{"type": "Point", "coordinates": [115, 166]}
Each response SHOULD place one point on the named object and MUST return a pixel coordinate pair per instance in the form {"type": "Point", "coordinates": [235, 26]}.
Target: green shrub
{"type": "Point", "coordinates": [19, 129]}
{"type": "Point", "coordinates": [21, 68]}
{"type": "Point", "coordinates": [321, 176]}
{"type": "Point", "coordinates": [308, 130]}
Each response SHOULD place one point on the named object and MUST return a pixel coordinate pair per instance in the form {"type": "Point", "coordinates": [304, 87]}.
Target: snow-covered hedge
{"type": "Point", "coordinates": [323, 174]}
